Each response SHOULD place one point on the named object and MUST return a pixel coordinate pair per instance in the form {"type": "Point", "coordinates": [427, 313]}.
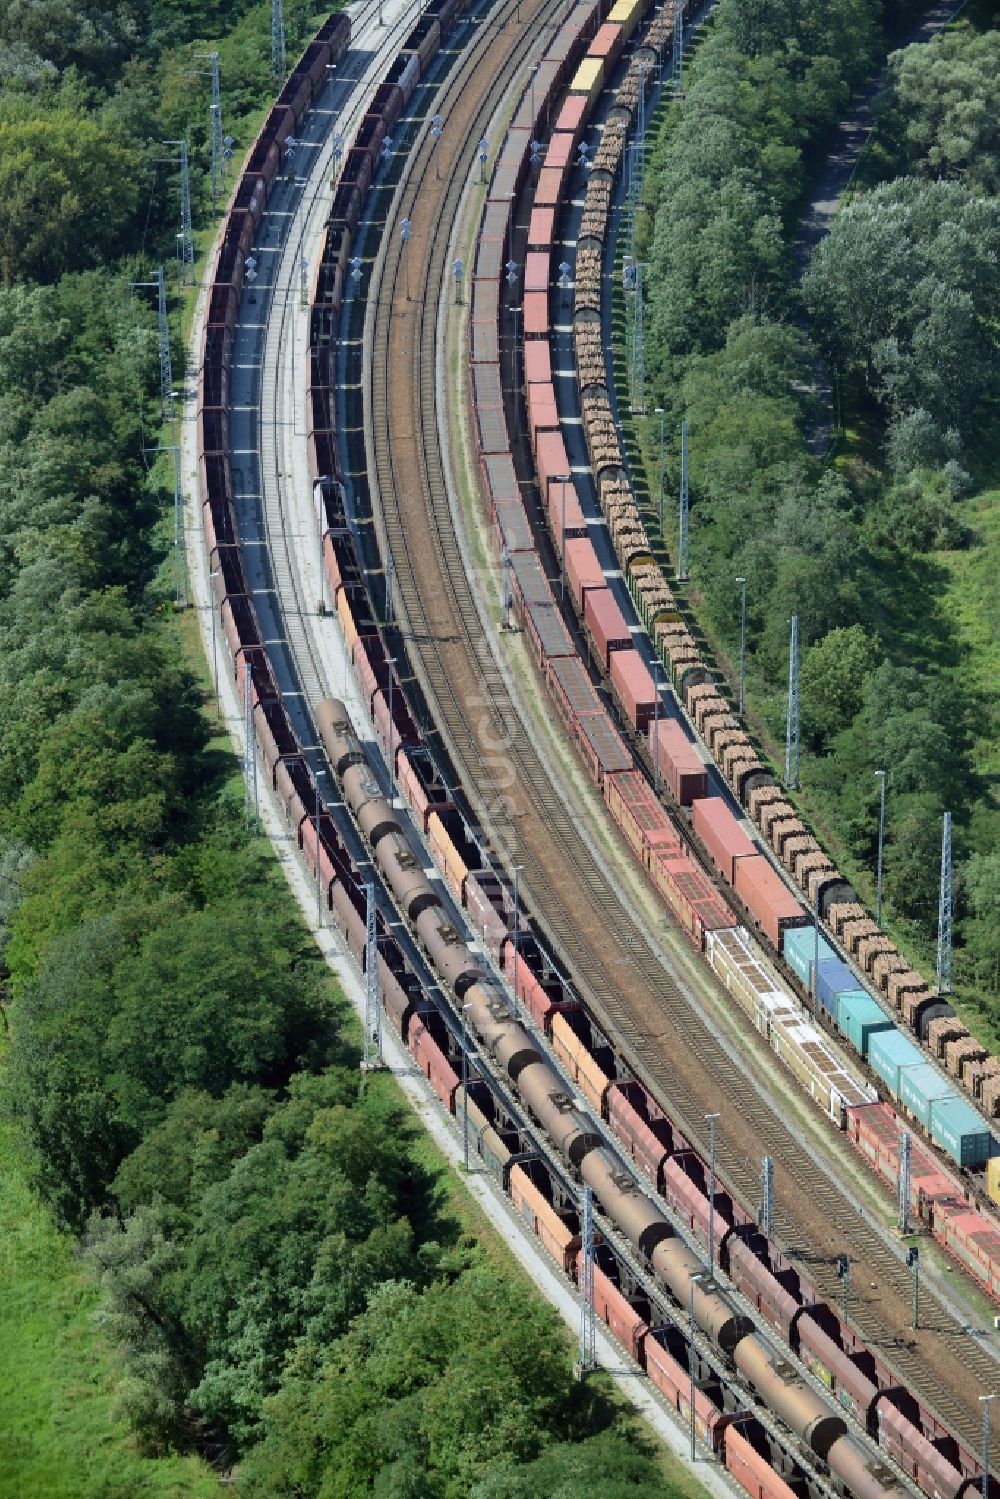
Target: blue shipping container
{"type": "Point", "coordinates": [919, 1086]}
{"type": "Point", "coordinates": [832, 978]}
{"type": "Point", "coordinates": [860, 1018]}
{"type": "Point", "coordinates": [959, 1130]}
{"type": "Point", "coordinates": [888, 1052]}
{"type": "Point", "coordinates": [798, 946]}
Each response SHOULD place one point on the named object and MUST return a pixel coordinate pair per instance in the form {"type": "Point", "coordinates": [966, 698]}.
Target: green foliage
{"type": "Point", "coordinates": [940, 118]}
{"type": "Point", "coordinates": [69, 193]}
{"type": "Point", "coordinates": [427, 1392]}
{"type": "Point", "coordinates": [906, 283]}
{"type": "Point", "coordinates": [132, 1008]}
{"type": "Point", "coordinates": [834, 678]}
{"type": "Point", "coordinates": [61, 1437]}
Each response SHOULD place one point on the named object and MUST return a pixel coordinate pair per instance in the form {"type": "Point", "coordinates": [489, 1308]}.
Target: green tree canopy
{"type": "Point", "coordinates": [69, 190]}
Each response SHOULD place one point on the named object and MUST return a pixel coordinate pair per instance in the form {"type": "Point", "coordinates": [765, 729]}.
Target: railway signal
{"type": "Point", "coordinates": [844, 1276]}
{"type": "Point", "coordinates": [457, 267]}
{"type": "Point", "coordinates": [483, 148]}
{"type": "Point", "coordinates": [436, 133]}
{"type": "Point", "coordinates": [355, 276]}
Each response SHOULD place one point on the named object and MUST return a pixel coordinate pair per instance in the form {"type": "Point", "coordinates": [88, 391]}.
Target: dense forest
{"type": "Point", "coordinates": [884, 547]}
{"type": "Point", "coordinates": [277, 1255]}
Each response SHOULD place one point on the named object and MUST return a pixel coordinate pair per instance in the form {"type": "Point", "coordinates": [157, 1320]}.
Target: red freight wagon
{"type": "Point", "coordinates": [674, 1383]}
{"type": "Point", "coordinates": [766, 896]}
{"type": "Point", "coordinates": [605, 623]}
{"type": "Point", "coordinates": [566, 517]}
{"type": "Point", "coordinates": [543, 415]}
{"type": "Point", "coordinates": [536, 271]}
{"type": "Point", "coordinates": [571, 116]}
{"type": "Point", "coordinates": [560, 150]}
{"type": "Point", "coordinates": [547, 634]}
{"type": "Point", "coordinates": [602, 746]}
{"type": "Point", "coordinates": [680, 764]}
{"type": "Point", "coordinates": [722, 834]}
{"type": "Point", "coordinates": [649, 1140]}
{"type": "Point", "coordinates": [776, 1305]}
{"type": "Point", "coordinates": [536, 314]}
{"type": "Point", "coordinates": [574, 692]}
{"type": "Point", "coordinates": [608, 42]}
{"type": "Point", "coordinates": [753, 1470]}
{"type": "Point", "coordinates": [548, 189]}
{"type": "Point", "coordinates": [552, 462]}
{"type": "Point", "coordinates": [538, 362]}
{"type": "Point", "coordinates": [512, 526]}
{"type": "Point", "coordinates": [975, 1243]}
{"type": "Point", "coordinates": [501, 476]}
{"type": "Point", "coordinates": [529, 1198]}
{"type": "Point", "coordinates": [640, 816]}
{"type": "Point", "coordinates": [633, 686]}
{"type": "Point", "coordinates": [484, 341]}
{"type": "Point", "coordinates": [621, 1317]}
{"type": "Point", "coordinates": [541, 227]}
{"type": "Point", "coordinates": [583, 570]}
{"type": "Point", "coordinates": [690, 895]}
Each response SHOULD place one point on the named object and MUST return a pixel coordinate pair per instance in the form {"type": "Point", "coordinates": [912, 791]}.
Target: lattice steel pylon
{"type": "Point", "coordinates": [217, 148]}
{"type": "Point", "coordinates": [792, 715]}
{"type": "Point", "coordinates": [373, 1058]}
{"type": "Point", "coordinates": [683, 523]}
{"type": "Point", "coordinates": [277, 41]}
{"type": "Point", "coordinates": [166, 369]}
{"type": "Point", "coordinates": [185, 235]}
{"type": "Point", "coordinates": [903, 1184]}
{"type": "Point", "coordinates": [588, 1321]}
{"type": "Point", "coordinates": [765, 1214]}
{"type": "Point", "coordinates": [945, 911]}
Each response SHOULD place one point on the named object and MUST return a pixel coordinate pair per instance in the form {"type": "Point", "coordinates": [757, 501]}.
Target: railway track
{"type": "Point", "coordinates": [650, 1015]}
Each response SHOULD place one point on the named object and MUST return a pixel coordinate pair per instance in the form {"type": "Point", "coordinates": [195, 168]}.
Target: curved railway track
{"type": "Point", "coordinates": [652, 1018]}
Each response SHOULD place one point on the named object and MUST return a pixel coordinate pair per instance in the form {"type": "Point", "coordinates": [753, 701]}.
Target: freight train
{"type": "Point", "coordinates": [766, 903]}
{"type": "Point", "coordinates": [426, 1033]}
{"type": "Point", "coordinates": [811, 869]}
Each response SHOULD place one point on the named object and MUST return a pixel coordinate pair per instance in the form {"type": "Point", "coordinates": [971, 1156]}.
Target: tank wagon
{"type": "Point", "coordinates": [708, 895]}
{"type": "Point", "coordinates": [427, 1032]}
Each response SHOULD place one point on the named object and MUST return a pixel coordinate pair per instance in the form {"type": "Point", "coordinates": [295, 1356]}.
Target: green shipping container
{"type": "Point", "coordinates": [921, 1086]}
{"type": "Point", "coordinates": [959, 1130]}
{"type": "Point", "coordinates": [798, 946]}
{"type": "Point", "coordinates": [860, 1018]}
{"type": "Point", "coordinates": [888, 1051]}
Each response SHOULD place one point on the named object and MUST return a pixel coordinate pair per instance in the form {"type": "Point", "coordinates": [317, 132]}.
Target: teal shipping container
{"type": "Point", "coordinates": [959, 1130]}
{"type": "Point", "coordinates": [921, 1086]}
{"type": "Point", "coordinates": [798, 946]}
{"type": "Point", "coordinates": [860, 1018]}
{"type": "Point", "coordinates": [888, 1052]}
